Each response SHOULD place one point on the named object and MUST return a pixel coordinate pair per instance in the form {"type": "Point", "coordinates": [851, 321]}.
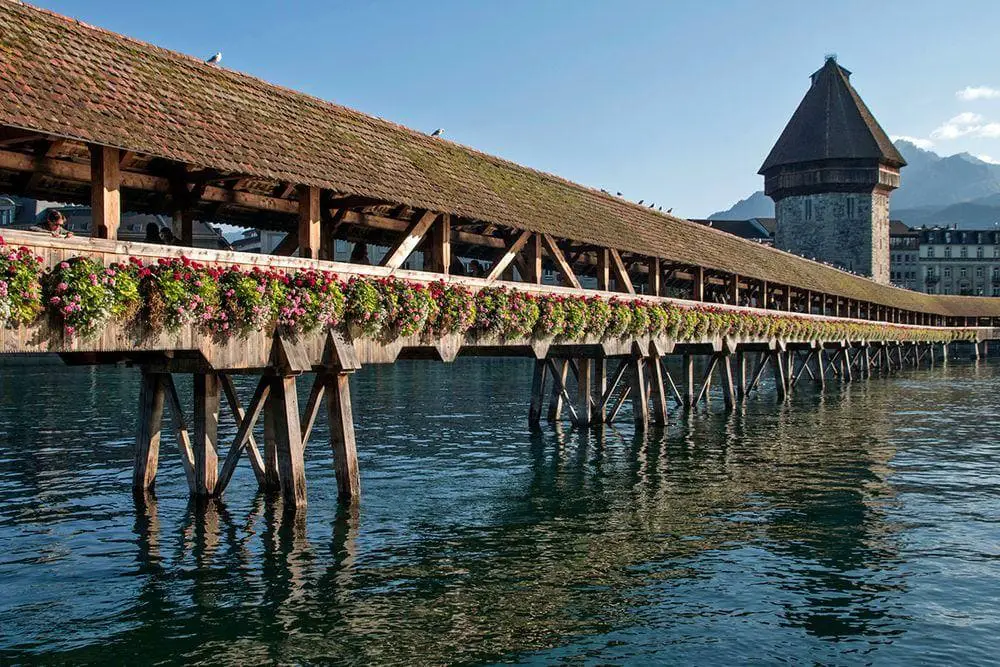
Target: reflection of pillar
{"type": "Point", "coordinates": [271, 482]}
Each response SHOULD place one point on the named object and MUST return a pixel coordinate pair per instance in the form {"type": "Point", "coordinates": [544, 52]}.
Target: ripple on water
{"type": "Point", "coordinates": [854, 526]}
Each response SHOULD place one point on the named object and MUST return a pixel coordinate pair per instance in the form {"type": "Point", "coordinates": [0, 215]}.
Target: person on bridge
{"type": "Point", "coordinates": [359, 254]}
{"type": "Point", "coordinates": [152, 233]}
{"type": "Point", "coordinates": [54, 224]}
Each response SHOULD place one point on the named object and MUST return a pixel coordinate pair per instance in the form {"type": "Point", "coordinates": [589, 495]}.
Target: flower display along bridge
{"type": "Point", "coordinates": [90, 117]}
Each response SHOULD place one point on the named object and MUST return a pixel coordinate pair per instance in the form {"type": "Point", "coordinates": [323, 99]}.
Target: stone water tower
{"type": "Point", "coordinates": [830, 175]}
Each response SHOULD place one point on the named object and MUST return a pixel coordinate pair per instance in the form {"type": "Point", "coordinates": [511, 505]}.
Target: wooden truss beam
{"type": "Point", "coordinates": [411, 239]}
{"type": "Point", "coordinates": [508, 256]}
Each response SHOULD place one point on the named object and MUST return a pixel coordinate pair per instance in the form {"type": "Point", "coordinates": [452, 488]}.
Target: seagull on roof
{"type": "Point", "coordinates": [216, 59]}
{"type": "Point", "coordinates": [438, 132]}
{"type": "Point", "coordinates": [670, 210]}
{"type": "Point", "coordinates": [659, 208]}
{"type": "Point", "coordinates": [640, 202]}
{"type": "Point", "coordinates": [619, 194]}
{"type": "Point", "coordinates": [652, 205]}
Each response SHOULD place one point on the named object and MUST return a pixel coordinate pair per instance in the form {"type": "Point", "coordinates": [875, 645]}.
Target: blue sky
{"type": "Point", "coordinates": [672, 102]}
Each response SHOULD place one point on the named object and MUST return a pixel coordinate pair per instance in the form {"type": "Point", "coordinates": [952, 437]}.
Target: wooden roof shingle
{"type": "Point", "coordinates": [62, 77]}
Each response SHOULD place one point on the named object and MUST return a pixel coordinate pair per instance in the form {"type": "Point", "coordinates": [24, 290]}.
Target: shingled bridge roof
{"type": "Point", "coordinates": [65, 78]}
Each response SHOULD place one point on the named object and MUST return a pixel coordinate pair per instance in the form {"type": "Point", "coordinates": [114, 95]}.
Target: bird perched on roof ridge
{"type": "Point", "coordinates": [659, 208]}
{"type": "Point", "coordinates": [670, 210]}
{"type": "Point", "coordinates": [652, 205]}
{"type": "Point", "coordinates": [618, 194]}
{"type": "Point", "coordinates": [438, 132]}
{"type": "Point", "coordinates": [640, 201]}
{"type": "Point", "coordinates": [216, 59]}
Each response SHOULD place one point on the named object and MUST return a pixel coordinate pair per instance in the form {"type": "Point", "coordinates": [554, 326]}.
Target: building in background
{"type": "Point", "coordinates": [955, 261]}
{"type": "Point", "coordinates": [904, 256]}
{"type": "Point", "coordinates": [830, 175]}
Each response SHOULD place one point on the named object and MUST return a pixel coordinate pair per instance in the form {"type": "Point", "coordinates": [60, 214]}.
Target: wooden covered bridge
{"type": "Point", "coordinates": [92, 117]}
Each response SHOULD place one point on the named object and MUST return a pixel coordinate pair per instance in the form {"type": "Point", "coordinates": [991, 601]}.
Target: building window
{"type": "Point", "coordinates": [930, 271]}
{"type": "Point", "coordinates": [963, 272]}
{"type": "Point", "coordinates": [979, 272]}
{"type": "Point", "coordinates": [979, 253]}
{"type": "Point", "coordinates": [963, 252]}
{"type": "Point", "coordinates": [809, 209]}
{"type": "Point", "coordinates": [996, 291]}
{"type": "Point", "coordinates": [930, 251]}
{"type": "Point", "coordinates": [947, 251]}
{"type": "Point", "coordinates": [947, 272]}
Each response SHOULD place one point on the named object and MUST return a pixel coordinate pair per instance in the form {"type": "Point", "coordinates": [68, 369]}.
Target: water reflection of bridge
{"type": "Point", "coordinates": [160, 132]}
{"type": "Point", "coordinates": [599, 523]}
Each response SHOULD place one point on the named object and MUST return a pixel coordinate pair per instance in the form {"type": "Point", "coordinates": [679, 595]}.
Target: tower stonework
{"type": "Point", "coordinates": [830, 175]}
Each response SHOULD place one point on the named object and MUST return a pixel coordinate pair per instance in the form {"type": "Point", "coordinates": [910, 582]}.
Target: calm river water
{"type": "Point", "coordinates": [860, 526]}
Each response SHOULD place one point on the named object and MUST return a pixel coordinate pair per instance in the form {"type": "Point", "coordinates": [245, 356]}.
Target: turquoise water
{"type": "Point", "coordinates": [851, 527]}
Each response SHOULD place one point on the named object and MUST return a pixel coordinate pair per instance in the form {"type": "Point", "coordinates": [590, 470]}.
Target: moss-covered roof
{"type": "Point", "coordinates": [62, 77]}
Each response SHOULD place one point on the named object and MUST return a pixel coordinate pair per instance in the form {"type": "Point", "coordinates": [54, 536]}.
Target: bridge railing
{"type": "Point", "coordinates": [253, 349]}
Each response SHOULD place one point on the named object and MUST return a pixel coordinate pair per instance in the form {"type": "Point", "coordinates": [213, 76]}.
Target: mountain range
{"type": "Point", "coordinates": [959, 189]}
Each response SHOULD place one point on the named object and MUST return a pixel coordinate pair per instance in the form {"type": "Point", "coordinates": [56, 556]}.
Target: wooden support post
{"type": "Point", "coordinates": [659, 391]}
{"type": "Point", "coordinates": [184, 222]}
{"type": "Point", "coordinates": [558, 382]}
{"type": "Point", "coordinates": [601, 383]}
{"type": "Point", "coordinates": [271, 481]}
{"type": "Point", "coordinates": [537, 393]}
{"type": "Point", "coordinates": [206, 432]}
{"type": "Point", "coordinates": [820, 367]}
{"type": "Point", "coordinates": [734, 290]}
{"type": "Point", "coordinates": [438, 248]}
{"type": "Point", "coordinates": [655, 276]}
{"type": "Point", "coordinates": [762, 360]}
{"type": "Point", "coordinates": [698, 286]}
{"type": "Point", "coordinates": [288, 440]}
{"type": "Point", "coordinates": [345, 450]}
{"type": "Point", "coordinates": [603, 269]}
{"type": "Point", "coordinates": [778, 366]}
{"type": "Point", "coordinates": [688, 363]}
{"type": "Point", "coordinates": [309, 221]}
{"type": "Point", "coordinates": [741, 374]}
{"type": "Point", "coordinates": [534, 260]}
{"type": "Point", "coordinates": [147, 440]}
{"type": "Point", "coordinates": [583, 392]}
{"type": "Point", "coordinates": [640, 402]}
{"type": "Point", "coordinates": [706, 382]}
{"type": "Point", "coordinates": [728, 391]}
{"type": "Point", "coordinates": [105, 192]}
{"type": "Point", "coordinates": [181, 431]}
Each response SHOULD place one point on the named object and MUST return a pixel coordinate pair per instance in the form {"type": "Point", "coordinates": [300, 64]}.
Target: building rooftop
{"type": "Point", "coordinates": [832, 123]}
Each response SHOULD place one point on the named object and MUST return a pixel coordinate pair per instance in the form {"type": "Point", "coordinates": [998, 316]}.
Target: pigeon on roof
{"type": "Point", "coordinates": [438, 132]}
{"type": "Point", "coordinates": [216, 59]}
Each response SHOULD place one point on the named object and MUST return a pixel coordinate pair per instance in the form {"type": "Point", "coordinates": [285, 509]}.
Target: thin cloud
{"type": "Point", "coordinates": [926, 144]}
{"type": "Point", "coordinates": [987, 159]}
{"type": "Point", "coordinates": [970, 93]}
{"type": "Point", "coordinates": [966, 124]}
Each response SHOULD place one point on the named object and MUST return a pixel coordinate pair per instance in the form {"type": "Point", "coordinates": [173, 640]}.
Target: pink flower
{"type": "Point", "coordinates": [63, 265]}
{"type": "Point", "coordinates": [62, 287]}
